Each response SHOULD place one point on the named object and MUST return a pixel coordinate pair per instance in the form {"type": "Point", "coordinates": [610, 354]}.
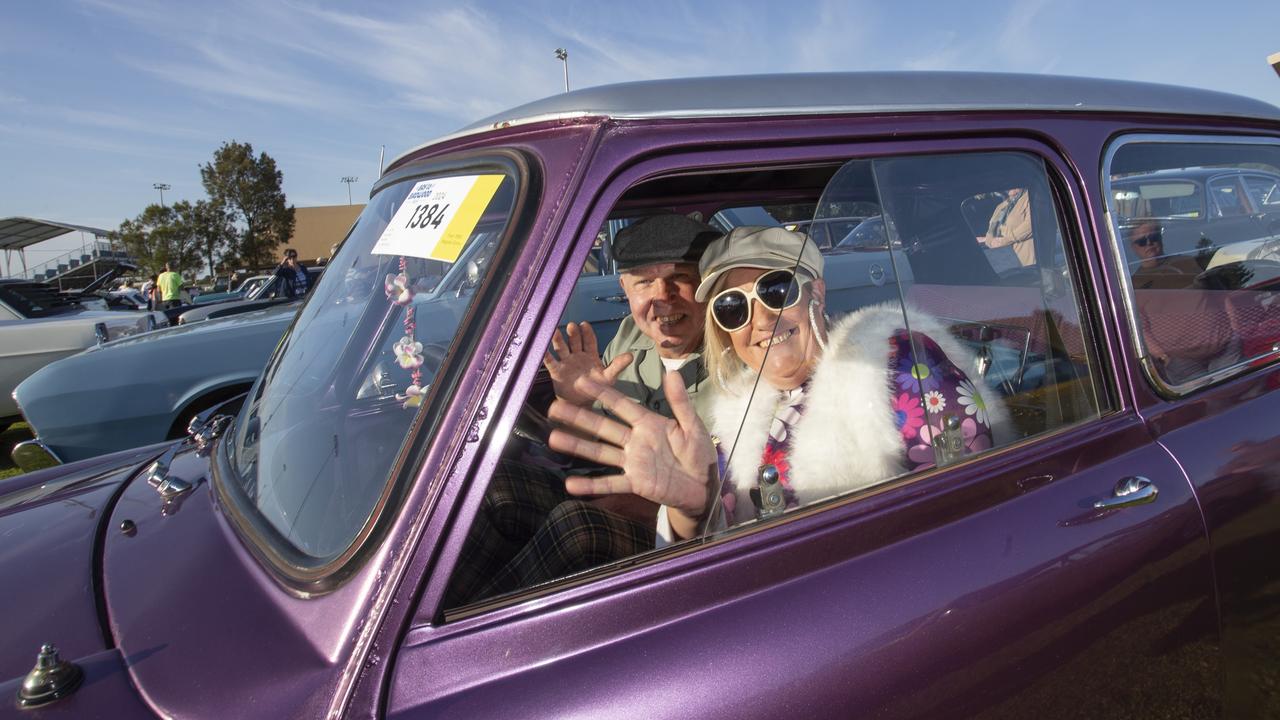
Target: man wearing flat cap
{"type": "Point", "coordinates": [657, 259]}
{"type": "Point", "coordinates": [529, 529]}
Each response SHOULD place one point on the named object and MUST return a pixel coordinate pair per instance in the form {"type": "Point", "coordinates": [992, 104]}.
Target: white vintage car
{"type": "Point", "coordinates": [39, 325]}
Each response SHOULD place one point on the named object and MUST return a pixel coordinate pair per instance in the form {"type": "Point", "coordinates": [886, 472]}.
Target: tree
{"type": "Point", "coordinates": [211, 227]}
{"type": "Point", "coordinates": [158, 236]}
{"type": "Point", "coordinates": [248, 190]}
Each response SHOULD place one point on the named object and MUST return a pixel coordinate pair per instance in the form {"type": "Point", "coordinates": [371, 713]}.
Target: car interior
{"type": "Point", "coordinates": [1023, 323]}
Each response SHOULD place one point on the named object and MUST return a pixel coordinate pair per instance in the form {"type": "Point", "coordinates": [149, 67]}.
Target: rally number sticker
{"type": "Point", "coordinates": [437, 218]}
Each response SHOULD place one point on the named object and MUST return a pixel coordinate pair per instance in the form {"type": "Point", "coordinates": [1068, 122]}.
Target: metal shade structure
{"type": "Point", "coordinates": [18, 233]}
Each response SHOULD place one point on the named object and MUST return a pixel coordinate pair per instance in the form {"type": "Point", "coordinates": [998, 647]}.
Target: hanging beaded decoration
{"type": "Point", "coordinates": [408, 351]}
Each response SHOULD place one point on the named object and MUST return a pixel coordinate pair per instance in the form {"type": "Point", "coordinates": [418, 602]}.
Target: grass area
{"type": "Point", "coordinates": [15, 434]}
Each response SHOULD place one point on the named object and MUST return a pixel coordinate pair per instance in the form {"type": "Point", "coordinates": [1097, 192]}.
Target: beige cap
{"type": "Point", "coordinates": [771, 248]}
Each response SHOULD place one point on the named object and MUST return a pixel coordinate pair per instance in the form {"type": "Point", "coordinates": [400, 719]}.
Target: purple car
{"type": "Point", "coordinates": [1083, 522]}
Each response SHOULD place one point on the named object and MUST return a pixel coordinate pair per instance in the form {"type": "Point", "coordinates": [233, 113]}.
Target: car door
{"type": "Point", "coordinates": [1041, 577]}
{"type": "Point", "coordinates": [1208, 393]}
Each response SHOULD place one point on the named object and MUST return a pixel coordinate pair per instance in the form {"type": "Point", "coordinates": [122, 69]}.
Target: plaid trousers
{"type": "Point", "coordinates": [528, 530]}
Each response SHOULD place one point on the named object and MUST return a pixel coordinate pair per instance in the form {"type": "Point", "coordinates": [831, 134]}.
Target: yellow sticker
{"type": "Point", "coordinates": [437, 217]}
{"type": "Point", "coordinates": [459, 227]}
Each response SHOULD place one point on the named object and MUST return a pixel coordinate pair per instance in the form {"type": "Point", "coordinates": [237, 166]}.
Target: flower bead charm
{"type": "Point", "coordinates": [398, 290]}
{"type": "Point", "coordinates": [412, 396]}
{"type": "Point", "coordinates": [408, 353]}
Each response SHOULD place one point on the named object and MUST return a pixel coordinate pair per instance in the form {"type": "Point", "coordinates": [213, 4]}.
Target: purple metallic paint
{"type": "Point", "coordinates": [307, 652]}
{"type": "Point", "coordinates": [49, 554]}
{"type": "Point", "coordinates": [105, 693]}
{"type": "Point", "coordinates": [958, 594]}
{"type": "Point", "coordinates": [1228, 440]}
{"type": "Point", "coordinates": [1162, 611]}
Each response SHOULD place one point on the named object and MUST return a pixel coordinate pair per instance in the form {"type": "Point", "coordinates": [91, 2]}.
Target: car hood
{"type": "Point", "coordinates": [201, 313]}
{"type": "Point", "coordinates": [208, 298]}
{"type": "Point", "coordinates": [52, 523]}
{"type": "Point", "coordinates": [276, 313]}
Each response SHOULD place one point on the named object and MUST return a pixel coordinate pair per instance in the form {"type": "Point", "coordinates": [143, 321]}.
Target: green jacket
{"type": "Point", "coordinates": [642, 379]}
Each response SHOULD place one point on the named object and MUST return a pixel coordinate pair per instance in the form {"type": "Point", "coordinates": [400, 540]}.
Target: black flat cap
{"type": "Point", "coordinates": [661, 239]}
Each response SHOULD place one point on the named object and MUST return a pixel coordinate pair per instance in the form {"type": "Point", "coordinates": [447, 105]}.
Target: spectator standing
{"type": "Point", "coordinates": [1010, 225]}
{"type": "Point", "coordinates": [293, 278]}
{"type": "Point", "coordinates": [149, 293]}
{"type": "Point", "coordinates": [169, 284]}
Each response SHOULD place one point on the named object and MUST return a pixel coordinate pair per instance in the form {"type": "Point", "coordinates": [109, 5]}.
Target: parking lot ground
{"type": "Point", "coordinates": [14, 435]}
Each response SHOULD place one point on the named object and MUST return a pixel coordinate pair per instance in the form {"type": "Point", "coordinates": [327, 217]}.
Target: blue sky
{"type": "Point", "coordinates": [100, 99]}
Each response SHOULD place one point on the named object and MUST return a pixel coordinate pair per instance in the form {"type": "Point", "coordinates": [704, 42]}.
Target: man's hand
{"type": "Point", "coordinates": [669, 461]}
{"type": "Point", "coordinates": [580, 357]}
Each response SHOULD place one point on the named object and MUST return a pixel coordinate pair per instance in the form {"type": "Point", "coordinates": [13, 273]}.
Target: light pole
{"type": "Point", "coordinates": [348, 180]}
{"type": "Point", "coordinates": [161, 187]}
{"type": "Point", "coordinates": [1274, 60]}
{"type": "Point", "coordinates": [563, 56]}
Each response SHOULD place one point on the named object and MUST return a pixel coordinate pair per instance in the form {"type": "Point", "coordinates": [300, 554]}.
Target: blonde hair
{"type": "Point", "coordinates": [722, 363]}
{"type": "Point", "coordinates": [717, 353]}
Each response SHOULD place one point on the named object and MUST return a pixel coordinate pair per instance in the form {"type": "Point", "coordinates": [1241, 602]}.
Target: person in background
{"type": "Point", "coordinates": [1155, 270]}
{"type": "Point", "coordinates": [149, 293]}
{"type": "Point", "coordinates": [1010, 225]}
{"type": "Point", "coordinates": [1169, 289]}
{"type": "Point", "coordinates": [170, 287]}
{"type": "Point", "coordinates": [293, 277]}
{"type": "Point", "coordinates": [169, 283]}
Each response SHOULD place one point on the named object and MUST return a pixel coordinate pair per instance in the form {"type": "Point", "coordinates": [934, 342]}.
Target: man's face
{"type": "Point", "coordinates": [1147, 242]}
{"type": "Point", "coordinates": [662, 305]}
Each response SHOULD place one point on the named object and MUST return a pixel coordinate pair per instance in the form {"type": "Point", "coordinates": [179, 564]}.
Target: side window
{"type": "Point", "coordinates": [1228, 199]}
{"type": "Point", "coordinates": [1203, 289]}
{"type": "Point", "coordinates": [974, 243]}
{"type": "Point", "coordinates": [1264, 192]}
{"type": "Point", "coordinates": [946, 274]}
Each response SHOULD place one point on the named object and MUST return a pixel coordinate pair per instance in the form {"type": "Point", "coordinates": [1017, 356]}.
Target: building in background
{"type": "Point", "coordinates": [317, 229]}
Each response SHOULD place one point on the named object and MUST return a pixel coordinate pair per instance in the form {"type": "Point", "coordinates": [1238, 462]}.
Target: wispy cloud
{"type": "Point", "coordinates": [33, 134]}
{"type": "Point", "coordinates": [1021, 34]}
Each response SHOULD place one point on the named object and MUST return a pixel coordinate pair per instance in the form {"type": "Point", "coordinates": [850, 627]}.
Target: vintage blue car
{"type": "Point", "coordinates": [144, 389]}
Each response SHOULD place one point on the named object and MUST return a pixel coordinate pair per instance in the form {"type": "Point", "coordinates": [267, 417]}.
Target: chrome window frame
{"type": "Point", "coordinates": [1171, 391]}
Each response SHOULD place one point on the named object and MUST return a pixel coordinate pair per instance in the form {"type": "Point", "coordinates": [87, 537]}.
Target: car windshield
{"type": "Point", "coordinates": [315, 442]}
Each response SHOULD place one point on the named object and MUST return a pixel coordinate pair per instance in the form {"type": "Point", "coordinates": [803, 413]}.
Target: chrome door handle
{"type": "Point", "coordinates": [1133, 490]}
{"type": "Point", "coordinates": [619, 298]}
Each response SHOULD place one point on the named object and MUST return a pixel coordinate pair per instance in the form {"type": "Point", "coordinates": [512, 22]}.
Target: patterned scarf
{"type": "Point", "coordinates": [777, 448]}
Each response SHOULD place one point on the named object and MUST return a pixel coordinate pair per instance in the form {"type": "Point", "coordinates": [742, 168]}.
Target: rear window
{"type": "Point", "coordinates": [1204, 287]}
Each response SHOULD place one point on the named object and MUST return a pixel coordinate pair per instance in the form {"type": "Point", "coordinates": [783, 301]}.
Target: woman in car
{"type": "Point", "coordinates": [803, 411]}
